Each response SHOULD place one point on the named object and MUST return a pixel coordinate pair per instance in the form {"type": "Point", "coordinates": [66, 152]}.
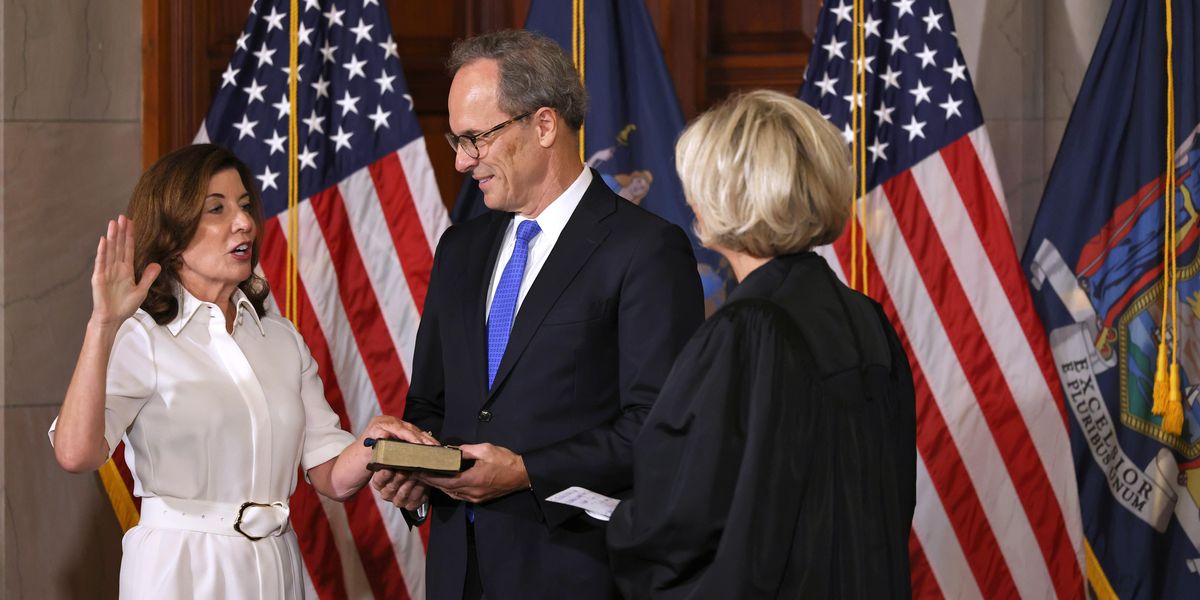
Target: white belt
{"type": "Point", "coordinates": [254, 520]}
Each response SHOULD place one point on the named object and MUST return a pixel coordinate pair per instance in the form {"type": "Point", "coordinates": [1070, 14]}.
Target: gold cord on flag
{"type": "Point", "coordinates": [578, 53]}
{"type": "Point", "coordinates": [858, 150]}
{"type": "Point", "coordinates": [291, 303]}
{"type": "Point", "coordinates": [1170, 405]}
{"type": "Point", "coordinates": [1161, 384]}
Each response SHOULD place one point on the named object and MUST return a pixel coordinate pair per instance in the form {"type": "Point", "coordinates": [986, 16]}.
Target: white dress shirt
{"type": "Point", "coordinates": [552, 221]}
{"type": "Point", "coordinates": [215, 417]}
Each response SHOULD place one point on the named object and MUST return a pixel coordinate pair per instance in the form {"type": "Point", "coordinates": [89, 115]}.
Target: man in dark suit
{"type": "Point", "coordinates": [549, 327]}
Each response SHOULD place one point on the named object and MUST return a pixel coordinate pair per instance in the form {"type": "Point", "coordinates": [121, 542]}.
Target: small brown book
{"type": "Point", "coordinates": [395, 454]}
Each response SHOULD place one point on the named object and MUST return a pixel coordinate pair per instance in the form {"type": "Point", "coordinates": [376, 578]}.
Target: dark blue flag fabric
{"type": "Point", "coordinates": [1095, 261]}
{"type": "Point", "coordinates": [633, 118]}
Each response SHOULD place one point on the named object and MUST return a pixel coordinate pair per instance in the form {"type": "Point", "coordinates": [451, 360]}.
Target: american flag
{"type": "Point", "coordinates": [369, 216]}
{"type": "Point", "coordinates": [997, 511]}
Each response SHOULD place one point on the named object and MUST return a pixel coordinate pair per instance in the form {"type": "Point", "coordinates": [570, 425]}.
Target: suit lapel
{"type": "Point", "coordinates": [476, 304]}
{"type": "Point", "coordinates": [582, 235]}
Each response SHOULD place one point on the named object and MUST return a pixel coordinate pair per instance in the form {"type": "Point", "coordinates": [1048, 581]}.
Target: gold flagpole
{"type": "Point", "coordinates": [579, 54]}
{"type": "Point", "coordinates": [291, 308]}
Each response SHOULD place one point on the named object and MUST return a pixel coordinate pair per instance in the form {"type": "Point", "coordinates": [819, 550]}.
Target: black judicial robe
{"type": "Point", "coordinates": [780, 458]}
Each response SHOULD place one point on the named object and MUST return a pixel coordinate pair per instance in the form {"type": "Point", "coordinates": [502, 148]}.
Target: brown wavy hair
{"type": "Point", "coordinates": [166, 206]}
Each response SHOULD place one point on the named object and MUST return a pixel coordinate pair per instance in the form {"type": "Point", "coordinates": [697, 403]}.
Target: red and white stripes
{"type": "Point", "coordinates": [997, 507]}
{"type": "Point", "coordinates": [366, 252]}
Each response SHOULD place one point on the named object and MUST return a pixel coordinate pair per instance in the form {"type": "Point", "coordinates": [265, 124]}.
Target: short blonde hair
{"type": "Point", "coordinates": [766, 175]}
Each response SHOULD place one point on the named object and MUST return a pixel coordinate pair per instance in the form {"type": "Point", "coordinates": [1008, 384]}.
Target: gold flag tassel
{"type": "Point", "coordinates": [1161, 383]}
{"type": "Point", "coordinates": [1172, 414]}
{"type": "Point", "coordinates": [1160, 371]}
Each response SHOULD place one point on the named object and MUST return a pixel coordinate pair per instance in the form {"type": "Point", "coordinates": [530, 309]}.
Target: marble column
{"type": "Point", "coordinates": [71, 146]}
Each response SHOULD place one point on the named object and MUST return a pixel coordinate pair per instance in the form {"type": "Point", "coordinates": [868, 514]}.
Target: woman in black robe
{"type": "Point", "coordinates": [779, 460]}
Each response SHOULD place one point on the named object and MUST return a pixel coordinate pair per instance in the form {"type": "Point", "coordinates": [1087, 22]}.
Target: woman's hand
{"type": "Point", "coordinates": [115, 293]}
{"type": "Point", "coordinates": [341, 477]}
{"type": "Point", "coordinates": [79, 443]}
{"type": "Point", "coordinates": [389, 427]}
{"type": "Point", "coordinates": [401, 488]}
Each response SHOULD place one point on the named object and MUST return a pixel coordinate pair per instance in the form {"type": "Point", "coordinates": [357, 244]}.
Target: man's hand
{"type": "Point", "coordinates": [401, 488]}
{"type": "Point", "coordinates": [497, 472]}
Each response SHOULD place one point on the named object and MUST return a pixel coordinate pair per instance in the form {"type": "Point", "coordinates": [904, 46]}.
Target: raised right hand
{"type": "Point", "coordinates": [115, 293]}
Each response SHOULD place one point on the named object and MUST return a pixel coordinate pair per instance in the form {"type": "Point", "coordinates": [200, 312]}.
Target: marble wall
{"type": "Point", "coordinates": [1027, 59]}
{"type": "Point", "coordinates": [70, 148]}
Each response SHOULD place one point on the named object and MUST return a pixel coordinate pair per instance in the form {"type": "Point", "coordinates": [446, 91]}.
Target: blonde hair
{"type": "Point", "coordinates": [766, 175]}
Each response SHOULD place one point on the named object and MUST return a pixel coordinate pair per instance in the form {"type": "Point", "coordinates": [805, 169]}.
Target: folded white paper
{"type": "Point", "coordinates": [597, 506]}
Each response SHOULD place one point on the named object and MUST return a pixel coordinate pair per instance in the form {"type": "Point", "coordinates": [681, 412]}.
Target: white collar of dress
{"type": "Point", "coordinates": [189, 304]}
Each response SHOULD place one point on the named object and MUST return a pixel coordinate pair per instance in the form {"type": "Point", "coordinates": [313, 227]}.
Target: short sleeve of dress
{"type": "Point", "coordinates": [130, 381]}
{"type": "Point", "coordinates": [323, 436]}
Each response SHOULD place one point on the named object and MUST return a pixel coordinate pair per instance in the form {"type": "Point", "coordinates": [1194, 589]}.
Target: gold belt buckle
{"type": "Point", "coordinates": [237, 525]}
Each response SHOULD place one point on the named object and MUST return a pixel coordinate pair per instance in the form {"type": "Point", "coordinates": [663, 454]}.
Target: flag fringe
{"type": "Point", "coordinates": [118, 495]}
{"type": "Point", "coordinates": [1096, 577]}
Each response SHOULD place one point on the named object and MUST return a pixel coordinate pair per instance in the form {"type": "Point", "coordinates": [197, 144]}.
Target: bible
{"type": "Point", "coordinates": [395, 454]}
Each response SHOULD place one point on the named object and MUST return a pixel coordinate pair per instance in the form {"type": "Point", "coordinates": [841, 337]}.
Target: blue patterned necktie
{"type": "Point", "coordinates": [504, 302]}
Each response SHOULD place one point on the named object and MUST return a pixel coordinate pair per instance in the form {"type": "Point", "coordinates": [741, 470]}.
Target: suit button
{"type": "Point", "coordinates": [485, 415]}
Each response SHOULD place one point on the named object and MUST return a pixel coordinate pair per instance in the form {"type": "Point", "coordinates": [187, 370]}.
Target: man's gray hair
{"type": "Point", "coordinates": [534, 72]}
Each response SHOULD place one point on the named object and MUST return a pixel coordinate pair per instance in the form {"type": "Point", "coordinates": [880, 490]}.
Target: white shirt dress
{"type": "Point", "coordinates": [212, 420]}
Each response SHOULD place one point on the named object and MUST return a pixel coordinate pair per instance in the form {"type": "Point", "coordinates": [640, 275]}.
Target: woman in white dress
{"type": "Point", "coordinates": [218, 401]}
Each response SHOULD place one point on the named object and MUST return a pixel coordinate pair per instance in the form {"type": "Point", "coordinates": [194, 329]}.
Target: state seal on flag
{"type": "Point", "coordinates": [634, 185]}
{"type": "Point", "coordinates": [1114, 293]}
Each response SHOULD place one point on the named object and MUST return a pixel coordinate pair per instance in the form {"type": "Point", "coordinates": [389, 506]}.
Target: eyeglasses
{"type": "Point", "coordinates": [470, 143]}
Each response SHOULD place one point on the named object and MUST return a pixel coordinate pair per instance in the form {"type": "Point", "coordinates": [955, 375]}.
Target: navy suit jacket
{"type": "Point", "coordinates": [590, 347]}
